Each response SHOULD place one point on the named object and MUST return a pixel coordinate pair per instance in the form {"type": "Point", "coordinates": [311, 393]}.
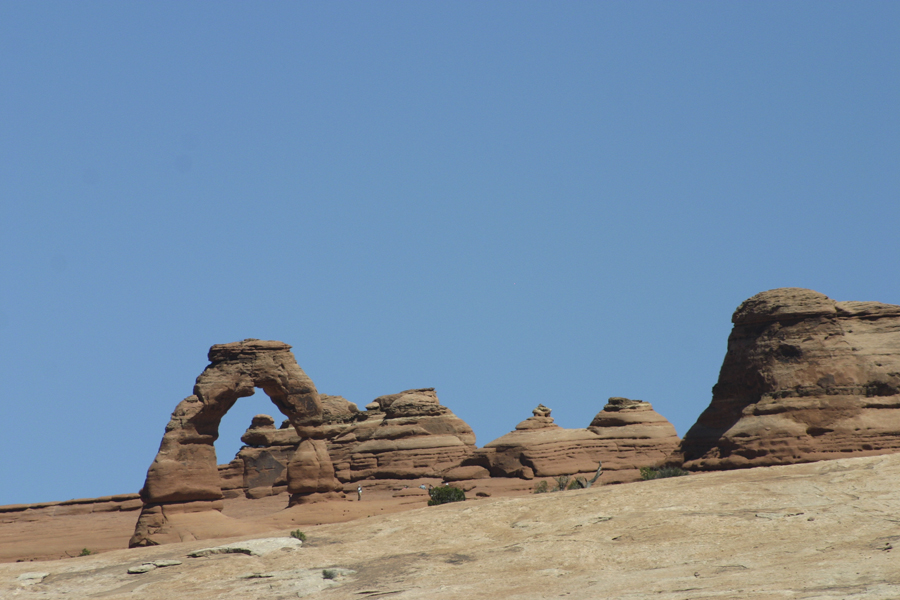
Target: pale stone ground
{"type": "Point", "coordinates": [824, 530]}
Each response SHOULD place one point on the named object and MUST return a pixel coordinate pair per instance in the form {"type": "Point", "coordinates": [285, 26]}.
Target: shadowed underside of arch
{"type": "Point", "coordinates": [184, 476]}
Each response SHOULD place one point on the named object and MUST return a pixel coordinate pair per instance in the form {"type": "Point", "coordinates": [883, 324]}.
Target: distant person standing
{"type": "Point", "coordinates": [358, 493]}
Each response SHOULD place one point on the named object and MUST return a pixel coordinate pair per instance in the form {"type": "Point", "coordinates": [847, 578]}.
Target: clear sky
{"type": "Point", "coordinates": [512, 202]}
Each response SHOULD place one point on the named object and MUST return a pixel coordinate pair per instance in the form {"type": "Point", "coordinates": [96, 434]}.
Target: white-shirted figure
{"type": "Point", "coordinates": [358, 493]}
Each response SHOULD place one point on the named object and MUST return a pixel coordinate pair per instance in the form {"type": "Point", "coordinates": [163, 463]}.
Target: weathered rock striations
{"type": "Point", "coordinates": [409, 435]}
{"type": "Point", "coordinates": [805, 378]}
{"type": "Point", "coordinates": [268, 452]}
{"type": "Point", "coordinates": [633, 434]}
{"type": "Point", "coordinates": [625, 435]}
{"type": "Point", "coordinates": [539, 447]}
{"type": "Point", "coordinates": [184, 478]}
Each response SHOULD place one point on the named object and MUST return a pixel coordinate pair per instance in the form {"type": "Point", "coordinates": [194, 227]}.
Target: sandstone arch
{"type": "Point", "coordinates": [184, 477]}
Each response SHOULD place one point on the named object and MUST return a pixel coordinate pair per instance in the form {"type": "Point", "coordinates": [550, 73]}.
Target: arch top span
{"type": "Point", "coordinates": [235, 369]}
{"type": "Point", "coordinates": [248, 351]}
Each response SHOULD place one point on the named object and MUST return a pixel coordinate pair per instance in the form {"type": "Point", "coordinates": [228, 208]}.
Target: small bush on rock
{"type": "Point", "coordinates": [445, 494]}
{"type": "Point", "coordinates": [541, 488]}
{"type": "Point", "coordinates": [579, 483]}
{"type": "Point", "coordinates": [298, 535]}
{"type": "Point", "coordinates": [562, 483]}
{"type": "Point", "coordinates": [329, 574]}
{"type": "Point", "coordinates": [85, 552]}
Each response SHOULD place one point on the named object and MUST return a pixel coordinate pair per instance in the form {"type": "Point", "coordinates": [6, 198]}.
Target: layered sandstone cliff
{"type": "Point", "coordinates": [260, 467]}
{"type": "Point", "coordinates": [805, 378]}
{"type": "Point", "coordinates": [624, 436]}
{"type": "Point", "coordinates": [633, 434]}
{"type": "Point", "coordinates": [408, 435]}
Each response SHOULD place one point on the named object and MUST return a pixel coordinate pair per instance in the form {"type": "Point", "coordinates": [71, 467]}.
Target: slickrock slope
{"type": "Point", "coordinates": [823, 531]}
{"type": "Point", "coordinates": [625, 435]}
{"type": "Point", "coordinates": [56, 530]}
{"type": "Point", "coordinates": [805, 378]}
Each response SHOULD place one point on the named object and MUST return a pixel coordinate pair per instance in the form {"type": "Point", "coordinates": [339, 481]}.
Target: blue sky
{"type": "Point", "coordinates": [512, 202]}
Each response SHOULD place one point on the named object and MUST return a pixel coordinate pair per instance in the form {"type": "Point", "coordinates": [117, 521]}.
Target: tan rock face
{"type": "Point", "coordinates": [634, 435]}
{"type": "Point", "coordinates": [541, 411]}
{"type": "Point", "coordinates": [409, 435]}
{"type": "Point", "coordinates": [310, 470]}
{"type": "Point", "coordinates": [805, 378]}
{"type": "Point", "coordinates": [626, 419]}
{"type": "Point", "coordinates": [269, 450]}
{"type": "Point", "coordinates": [624, 436]}
{"type": "Point", "coordinates": [540, 419]}
{"type": "Point", "coordinates": [231, 478]}
{"type": "Point", "coordinates": [337, 409]}
{"type": "Point", "coordinates": [185, 470]}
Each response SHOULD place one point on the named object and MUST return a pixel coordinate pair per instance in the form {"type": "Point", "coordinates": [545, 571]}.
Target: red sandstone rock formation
{"type": "Point", "coordinates": [634, 435]}
{"type": "Point", "coordinates": [409, 435]}
{"type": "Point", "coordinates": [625, 435]}
{"type": "Point", "coordinates": [184, 477]}
{"type": "Point", "coordinates": [539, 447]}
{"type": "Point", "coordinates": [263, 461]}
{"type": "Point", "coordinates": [805, 378]}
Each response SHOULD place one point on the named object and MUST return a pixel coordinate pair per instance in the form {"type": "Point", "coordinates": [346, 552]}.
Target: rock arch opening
{"type": "Point", "coordinates": [236, 421]}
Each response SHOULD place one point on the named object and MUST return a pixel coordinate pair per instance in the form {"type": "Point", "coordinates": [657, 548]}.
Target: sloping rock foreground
{"type": "Point", "coordinates": [805, 378]}
{"type": "Point", "coordinates": [825, 530]}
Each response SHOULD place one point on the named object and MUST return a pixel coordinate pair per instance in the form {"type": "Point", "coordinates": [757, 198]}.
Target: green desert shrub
{"type": "Point", "coordinates": [445, 494]}
{"type": "Point", "coordinates": [85, 552]}
{"type": "Point", "coordinates": [661, 472]}
{"type": "Point", "coordinates": [298, 535]}
{"type": "Point", "coordinates": [568, 482]}
{"type": "Point", "coordinates": [562, 483]}
{"type": "Point", "coordinates": [329, 574]}
{"type": "Point", "coordinates": [579, 483]}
